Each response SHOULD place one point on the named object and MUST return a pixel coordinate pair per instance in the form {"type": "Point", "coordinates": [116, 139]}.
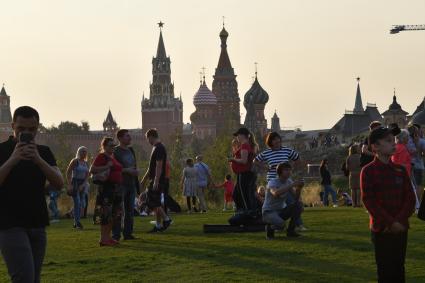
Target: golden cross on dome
{"type": "Point", "coordinates": [160, 24]}
{"type": "Point", "coordinates": [256, 69]}
{"type": "Point", "coordinates": [223, 20]}
{"type": "Point", "coordinates": [358, 79]}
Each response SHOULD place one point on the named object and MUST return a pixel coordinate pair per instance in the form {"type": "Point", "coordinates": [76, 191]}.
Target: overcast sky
{"type": "Point", "coordinates": [73, 60]}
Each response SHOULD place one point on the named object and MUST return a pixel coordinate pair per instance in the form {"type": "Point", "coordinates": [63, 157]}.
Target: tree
{"type": "Point", "coordinates": [70, 128]}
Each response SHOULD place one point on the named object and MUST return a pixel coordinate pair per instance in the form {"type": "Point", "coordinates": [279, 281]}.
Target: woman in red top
{"type": "Point", "coordinates": [109, 198]}
{"type": "Point", "coordinates": [241, 163]}
{"type": "Point", "coordinates": [402, 155]}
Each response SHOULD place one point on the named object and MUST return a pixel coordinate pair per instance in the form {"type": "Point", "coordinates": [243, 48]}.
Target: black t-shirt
{"type": "Point", "coordinates": [365, 158]}
{"type": "Point", "coordinates": [158, 153]}
{"type": "Point", "coordinates": [22, 197]}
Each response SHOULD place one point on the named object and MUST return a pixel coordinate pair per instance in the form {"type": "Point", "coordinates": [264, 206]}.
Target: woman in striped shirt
{"type": "Point", "coordinates": [272, 157]}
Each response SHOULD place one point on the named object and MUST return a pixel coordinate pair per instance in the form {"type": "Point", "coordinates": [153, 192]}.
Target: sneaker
{"type": "Point", "coordinates": [155, 230]}
{"type": "Point", "coordinates": [54, 221]}
{"type": "Point", "coordinates": [79, 226]}
{"type": "Point", "coordinates": [224, 209]}
{"type": "Point", "coordinates": [301, 228]}
{"type": "Point", "coordinates": [129, 237]}
{"type": "Point", "coordinates": [292, 234]}
{"type": "Point", "coordinates": [269, 232]}
{"type": "Point", "coordinates": [195, 209]}
{"type": "Point", "coordinates": [143, 213]}
{"type": "Point", "coordinates": [335, 205]}
{"type": "Point", "coordinates": [153, 222]}
{"type": "Point", "coordinates": [203, 211]}
{"type": "Point", "coordinates": [166, 224]}
{"type": "Point", "coordinates": [116, 239]}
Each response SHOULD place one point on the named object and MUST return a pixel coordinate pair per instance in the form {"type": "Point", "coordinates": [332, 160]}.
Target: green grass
{"type": "Point", "coordinates": [336, 249]}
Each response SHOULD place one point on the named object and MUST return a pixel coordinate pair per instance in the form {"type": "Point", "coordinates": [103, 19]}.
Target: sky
{"type": "Point", "coordinates": [75, 60]}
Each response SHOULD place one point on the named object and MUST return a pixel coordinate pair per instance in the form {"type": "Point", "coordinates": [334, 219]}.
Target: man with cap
{"type": "Point", "coordinates": [388, 196]}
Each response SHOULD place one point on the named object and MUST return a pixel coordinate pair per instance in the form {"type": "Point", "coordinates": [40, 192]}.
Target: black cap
{"type": "Point", "coordinates": [242, 131]}
{"type": "Point", "coordinates": [382, 132]}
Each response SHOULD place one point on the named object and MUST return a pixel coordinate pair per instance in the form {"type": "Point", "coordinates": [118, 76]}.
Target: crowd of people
{"type": "Point", "coordinates": [384, 175]}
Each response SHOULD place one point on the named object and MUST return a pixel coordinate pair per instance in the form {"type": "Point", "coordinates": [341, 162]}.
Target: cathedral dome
{"type": "Point", "coordinates": [204, 96]}
{"type": "Point", "coordinates": [224, 33]}
{"type": "Point", "coordinates": [256, 94]}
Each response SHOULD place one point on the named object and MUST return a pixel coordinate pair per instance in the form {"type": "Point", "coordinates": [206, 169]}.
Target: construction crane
{"type": "Point", "coordinates": [399, 28]}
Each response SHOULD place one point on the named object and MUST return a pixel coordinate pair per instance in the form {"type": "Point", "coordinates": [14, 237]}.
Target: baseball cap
{"type": "Point", "coordinates": [382, 132]}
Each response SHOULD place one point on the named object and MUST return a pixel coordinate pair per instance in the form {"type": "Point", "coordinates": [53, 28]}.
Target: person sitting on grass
{"type": "Point", "coordinates": [344, 197]}
{"type": "Point", "coordinates": [275, 210]}
{"type": "Point", "coordinates": [388, 196]}
{"type": "Point", "coordinates": [228, 191]}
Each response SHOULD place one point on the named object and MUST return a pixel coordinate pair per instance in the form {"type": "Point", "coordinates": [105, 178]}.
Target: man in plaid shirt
{"type": "Point", "coordinates": [387, 194]}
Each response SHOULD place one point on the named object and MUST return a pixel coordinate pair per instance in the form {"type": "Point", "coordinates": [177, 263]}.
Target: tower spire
{"type": "Point", "coordinates": [358, 106]}
{"type": "Point", "coordinates": [160, 52]}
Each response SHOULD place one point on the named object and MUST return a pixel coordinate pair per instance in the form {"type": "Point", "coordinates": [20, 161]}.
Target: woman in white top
{"type": "Point", "coordinates": [77, 175]}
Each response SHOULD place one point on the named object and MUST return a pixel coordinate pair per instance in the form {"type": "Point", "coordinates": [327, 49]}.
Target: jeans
{"type": "Point", "coordinates": [278, 217]}
{"type": "Point", "coordinates": [329, 189]}
{"type": "Point", "coordinates": [78, 198]}
{"type": "Point", "coordinates": [290, 199]}
{"type": "Point", "coordinates": [23, 251]}
{"type": "Point", "coordinates": [200, 192]}
{"type": "Point", "coordinates": [53, 206]}
{"type": "Point", "coordinates": [390, 254]}
{"type": "Point", "coordinates": [127, 218]}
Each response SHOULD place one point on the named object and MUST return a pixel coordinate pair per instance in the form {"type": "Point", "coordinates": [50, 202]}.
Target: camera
{"type": "Point", "coordinates": [25, 137]}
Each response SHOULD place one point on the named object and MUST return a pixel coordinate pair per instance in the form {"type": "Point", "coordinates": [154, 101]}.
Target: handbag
{"type": "Point", "coordinates": [421, 211]}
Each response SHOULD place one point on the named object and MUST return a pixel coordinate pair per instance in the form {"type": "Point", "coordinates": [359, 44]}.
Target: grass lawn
{"type": "Point", "coordinates": [337, 248]}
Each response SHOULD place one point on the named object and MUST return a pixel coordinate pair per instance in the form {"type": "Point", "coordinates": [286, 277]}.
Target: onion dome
{"type": "Point", "coordinates": [204, 96]}
{"type": "Point", "coordinates": [224, 33]}
{"type": "Point", "coordinates": [256, 94]}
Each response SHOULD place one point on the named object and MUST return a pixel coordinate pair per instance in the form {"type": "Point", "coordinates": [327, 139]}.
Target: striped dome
{"type": "Point", "coordinates": [204, 96]}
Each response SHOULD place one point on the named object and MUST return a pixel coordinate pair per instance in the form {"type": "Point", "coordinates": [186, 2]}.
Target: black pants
{"type": "Point", "coordinates": [244, 192]}
{"type": "Point", "coordinates": [23, 251]}
{"type": "Point", "coordinates": [390, 253]}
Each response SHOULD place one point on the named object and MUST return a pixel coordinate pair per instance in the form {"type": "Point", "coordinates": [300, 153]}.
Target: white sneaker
{"type": "Point", "coordinates": [301, 228]}
{"type": "Point", "coordinates": [54, 221]}
{"type": "Point", "coordinates": [224, 209]}
{"type": "Point", "coordinates": [335, 205]}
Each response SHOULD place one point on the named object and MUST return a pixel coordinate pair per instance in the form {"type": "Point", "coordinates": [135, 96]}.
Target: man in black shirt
{"type": "Point", "coordinates": [24, 169]}
{"type": "Point", "coordinates": [156, 175]}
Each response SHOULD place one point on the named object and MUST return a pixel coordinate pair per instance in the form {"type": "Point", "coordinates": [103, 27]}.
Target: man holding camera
{"type": "Point", "coordinates": [275, 209]}
{"type": "Point", "coordinates": [24, 169]}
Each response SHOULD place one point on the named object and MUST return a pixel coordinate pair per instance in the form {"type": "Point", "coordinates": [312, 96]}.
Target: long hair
{"type": "Point", "coordinates": [323, 163]}
{"type": "Point", "coordinates": [79, 150]}
{"type": "Point", "coordinates": [104, 142]}
{"type": "Point", "coordinates": [354, 149]}
{"type": "Point", "coordinates": [253, 142]}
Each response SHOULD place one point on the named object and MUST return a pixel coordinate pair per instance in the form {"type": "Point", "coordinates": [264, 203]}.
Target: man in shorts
{"type": "Point", "coordinates": [156, 175]}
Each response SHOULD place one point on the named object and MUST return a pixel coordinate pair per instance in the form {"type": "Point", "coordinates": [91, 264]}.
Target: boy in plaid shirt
{"type": "Point", "coordinates": [387, 194]}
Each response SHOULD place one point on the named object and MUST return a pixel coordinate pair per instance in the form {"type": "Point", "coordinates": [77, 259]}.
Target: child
{"type": "Point", "coordinates": [388, 196]}
{"type": "Point", "coordinates": [345, 198]}
{"type": "Point", "coordinates": [228, 191]}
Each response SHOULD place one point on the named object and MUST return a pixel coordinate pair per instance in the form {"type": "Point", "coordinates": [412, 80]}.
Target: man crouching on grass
{"type": "Point", "coordinates": [275, 210]}
{"type": "Point", "coordinates": [387, 194]}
